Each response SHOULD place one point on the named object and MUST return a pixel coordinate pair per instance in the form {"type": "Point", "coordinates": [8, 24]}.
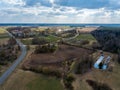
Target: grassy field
{"type": "Point", "coordinates": [27, 41]}
{"type": "Point", "coordinates": [49, 38]}
{"type": "Point", "coordinates": [52, 38]}
{"type": "Point", "coordinates": [3, 33]}
{"type": "Point", "coordinates": [39, 29]}
{"type": "Point", "coordinates": [25, 80]}
{"type": "Point", "coordinates": [3, 36]}
{"type": "Point", "coordinates": [85, 36]}
{"type": "Point", "coordinates": [2, 30]}
{"type": "Point", "coordinates": [77, 40]}
{"type": "Point", "coordinates": [45, 83]}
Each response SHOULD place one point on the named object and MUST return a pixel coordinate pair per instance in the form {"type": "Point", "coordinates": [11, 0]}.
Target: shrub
{"type": "Point", "coordinates": [84, 42]}
{"type": "Point", "coordinates": [45, 70]}
{"type": "Point", "coordinates": [11, 41]}
{"type": "Point", "coordinates": [84, 65]}
{"type": "Point", "coordinates": [45, 48]}
{"type": "Point", "coordinates": [68, 79]}
{"type": "Point", "coordinates": [98, 86]}
{"type": "Point", "coordinates": [28, 47]}
{"type": "Point", "coordinates": [118, 59]}
{"type": "Point", "coordinates": [39, 41]}
{"type": "Point", "coordinates": [96, 45]}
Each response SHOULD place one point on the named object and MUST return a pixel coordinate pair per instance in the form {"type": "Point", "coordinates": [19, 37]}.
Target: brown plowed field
{"type": "Point", "coordinates": [64, 52]}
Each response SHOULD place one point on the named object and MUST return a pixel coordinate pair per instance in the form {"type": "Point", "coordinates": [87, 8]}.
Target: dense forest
{"type": "Point", "coordinates": [108, 38]}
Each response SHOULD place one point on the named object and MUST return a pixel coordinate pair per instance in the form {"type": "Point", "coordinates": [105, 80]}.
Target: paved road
{"type": "Point", "coordinates": [15, 64]}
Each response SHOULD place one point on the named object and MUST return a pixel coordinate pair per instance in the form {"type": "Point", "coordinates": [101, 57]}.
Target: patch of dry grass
{"type": "Point", "coordinates": [2, 30]}
{"type": "Point", "coordinates": [3, 35]}
{"type": "Point", "coordinates": [26, 80]}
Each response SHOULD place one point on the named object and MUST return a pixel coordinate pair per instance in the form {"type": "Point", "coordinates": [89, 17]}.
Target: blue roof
{"type": "Point", "coordinates": [104, 67]}
{"type": "Point", "coordinates": [96, 65]}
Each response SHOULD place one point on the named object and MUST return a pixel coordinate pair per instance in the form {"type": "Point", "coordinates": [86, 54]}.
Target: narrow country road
{"type": "Point", "coordinates": [70, 38]}
{"type": "Point", "coordinates": [7, 73]}
{"type": "Point", "coordinates": [66, 39]}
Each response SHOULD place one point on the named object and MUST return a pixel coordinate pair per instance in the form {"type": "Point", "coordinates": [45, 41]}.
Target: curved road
{"type": "Point", "coordinates": [65, 39]}
{"type": "Point", "coordinates": [7, 73]}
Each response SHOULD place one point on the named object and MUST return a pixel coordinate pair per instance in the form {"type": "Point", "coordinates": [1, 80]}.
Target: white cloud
{"type": "Point", "coordinates": [114, 2]}
{"type": "Point", "coordinates": [13, 2]}
{"type": "Point", "coordinates": [52, 1]}
{"type": "Point", "coordinates": [56, 14]}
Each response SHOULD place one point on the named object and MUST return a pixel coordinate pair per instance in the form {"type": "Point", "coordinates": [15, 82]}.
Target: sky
{"type": "Point", "coordinates": [60, 11]}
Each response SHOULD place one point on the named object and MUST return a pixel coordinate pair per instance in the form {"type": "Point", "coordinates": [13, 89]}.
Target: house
{"type": "Point", "coordinates": [102, 63]}
{"type": "Point", "coordinates": [97, 63]}
{"type": "Point", "coordinates": [17, 33]}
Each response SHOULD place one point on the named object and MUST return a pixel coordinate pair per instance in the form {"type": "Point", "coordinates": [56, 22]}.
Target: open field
{"type": "Point", "coordinates": [2, 30]}
{"type": "Point", "coordinates": [84, 40]}
{"type": "Point", "coordinates": [55, 60]}
{"type": "Point", "coordinates": [87, 29]}
{"type": "Point", "coordinates": [49, 38]}
{"type": "Point", "coordinates": [85, 37]}
{"type": "Point", "coordinates": [52, 38]}
{"type": "Point", "coordinates": [45, 83]}
{"type": "Point", "coordinates": [25, 80]}
{"type": "Point", "coordinates": [3, 35]}
{"type": "Point", "coordinates": [27, 41]}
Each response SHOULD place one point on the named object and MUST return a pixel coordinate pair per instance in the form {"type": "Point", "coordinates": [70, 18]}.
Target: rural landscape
{"type": "Point", "coordinates": [59, 44]}
{"type": "Point", "coordinates": [59, 58]}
